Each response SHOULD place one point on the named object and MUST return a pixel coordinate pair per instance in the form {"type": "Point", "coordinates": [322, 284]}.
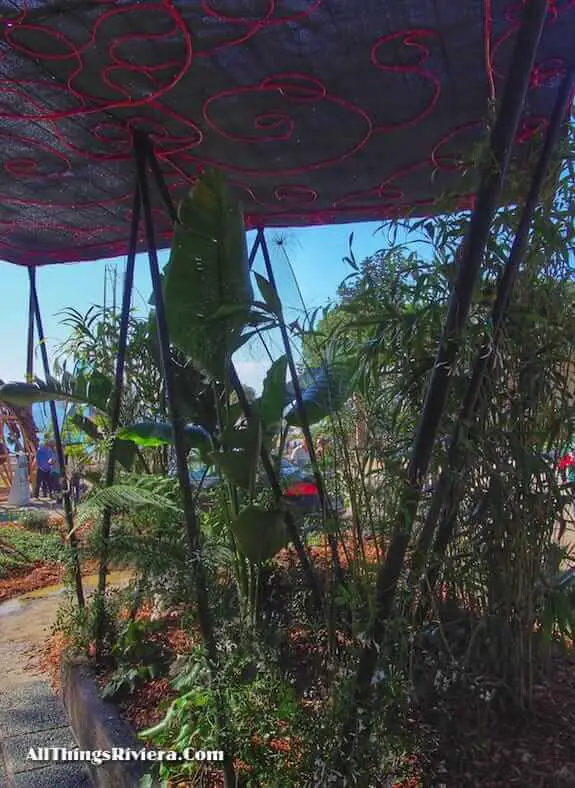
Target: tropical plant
{"type": "Point", "coordinates": [482, 563]}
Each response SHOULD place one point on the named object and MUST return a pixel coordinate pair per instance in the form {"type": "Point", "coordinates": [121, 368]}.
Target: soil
{"type": "Point", "coordinates": [535, 751]}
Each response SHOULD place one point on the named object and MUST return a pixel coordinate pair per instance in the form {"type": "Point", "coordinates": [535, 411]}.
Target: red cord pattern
{"type": "Point", "coordinates": [319, 111]}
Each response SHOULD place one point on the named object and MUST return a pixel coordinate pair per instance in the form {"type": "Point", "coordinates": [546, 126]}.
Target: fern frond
{"type": "Point", "coordinates": [128, 496]}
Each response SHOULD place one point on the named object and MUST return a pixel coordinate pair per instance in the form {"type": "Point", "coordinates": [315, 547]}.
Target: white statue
{"type": "Point", "coordinates": [20, 491]}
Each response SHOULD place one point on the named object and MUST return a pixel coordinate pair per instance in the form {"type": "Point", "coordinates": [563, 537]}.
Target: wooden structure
{"type": "Point", "coordinates": [17, 432]}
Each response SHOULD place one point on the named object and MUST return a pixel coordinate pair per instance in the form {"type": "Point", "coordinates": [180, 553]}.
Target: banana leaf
{"type": "Point", "coordinates": [208, 290]}
{"type": "Point", "coordinates": [332, 387]}
{"type": "Point", "coordinates": [260, 534]}
{"type": "Point", "coordinates": [240, 455]}
{"type": "Point", "coordinates": [270, 406]}
{"type": "Point", "coordinates": [23, 394]}
{"type": "Point", "coordinates": [151, 434]}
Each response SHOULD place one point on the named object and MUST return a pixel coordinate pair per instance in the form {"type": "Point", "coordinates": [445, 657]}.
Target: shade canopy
{"type": "Point", "coordinates": [320, 111]}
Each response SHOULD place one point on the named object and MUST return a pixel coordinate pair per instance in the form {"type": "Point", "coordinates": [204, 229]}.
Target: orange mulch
{"type": "Point", "coordinates": [148, 706]}
{"type": "Point", "coordinates": [348, 550]}
{"type": "Point", "coordinates": [38, 576]}
{"type": "Point", "coordinates": [23, 580]}
{"type": "Point", "coordinates": [49, 658]}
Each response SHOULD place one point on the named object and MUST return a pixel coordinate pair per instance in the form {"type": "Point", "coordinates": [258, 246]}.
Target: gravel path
{"type": "Point", "coordinates": [30, 714]}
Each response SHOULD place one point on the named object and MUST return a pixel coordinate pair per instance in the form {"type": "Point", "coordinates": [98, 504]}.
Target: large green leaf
{"type": "Point", "coordinates": [126, 453]}
{"type": "Point", "coordinates": [151, 433]}
{"type": "Point", "coordinates": [260, 534]}
{"type": "Point", "coordinates": [207, 281]}
{"type": "Point", "coordinates": [332, 387]}
{"type": "Point", "coordinates": [269, 294]}
{"type": "Point", "coordinates": [234, 466]}
{"type": "Point", "coordinates": [240, 453]}
{"type": "Point", "coordinates": [271, 405]}
{"type": "Point", "coordinates": [26, 394]}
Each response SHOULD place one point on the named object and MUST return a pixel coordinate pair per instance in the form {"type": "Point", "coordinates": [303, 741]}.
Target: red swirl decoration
{"type": "Point", "coordinates": [513, 15]}
{"type": "Point", "coordinates": [74, 56]}
{"type": "Point", "coordinates": [447, 152]}
{"type": "Point", "coordinates": [234, 29]}
{"type": "Point", "coordinates": [298, 92]}
{"type": "Point", "coordinates": [414, 42]}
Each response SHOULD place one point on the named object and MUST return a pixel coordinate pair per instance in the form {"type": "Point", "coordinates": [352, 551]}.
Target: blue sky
{"type": "Point", "coordinates": [315, 254]}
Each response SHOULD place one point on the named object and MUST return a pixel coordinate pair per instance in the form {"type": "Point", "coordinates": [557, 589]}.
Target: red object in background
{"type": "Point", "coordinates": [566, 461]}
{"type": "Point", "coordinates": [301, 489]}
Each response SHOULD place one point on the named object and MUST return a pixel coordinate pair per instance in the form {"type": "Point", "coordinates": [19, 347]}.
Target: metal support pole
{"type": "Point", "coordinates": [192, 530]}
{"type": "Point", "coordinates": [115, 414]}
{"type": "Point", "coordinates": [324, 500]}
{"type": "Point", "coordinates": [485, 355]}
{"type": "Point", "coordinates": [30, 346]}
{"type": "Point", "coordinates": [292, 529]}
{"type": "Point", "coordinates": [470, 260]}
{"type": "Point", "coordinates": [77, 575]}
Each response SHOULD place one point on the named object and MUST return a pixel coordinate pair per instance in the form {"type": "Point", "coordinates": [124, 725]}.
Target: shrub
{"type": "Point", "coordinates": [35, 520]}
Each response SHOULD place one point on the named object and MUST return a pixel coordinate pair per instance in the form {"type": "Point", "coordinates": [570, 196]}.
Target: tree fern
{"type": "Point", "coordinates": [130, 494]}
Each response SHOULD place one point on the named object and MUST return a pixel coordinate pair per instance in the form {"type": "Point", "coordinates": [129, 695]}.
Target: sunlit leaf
{"type": "Point", "coordinates": [151, 434]}
{"type": "Point", "coordinates": [269, 294]}
{"type": "Point", "coordinates": [207, 287]}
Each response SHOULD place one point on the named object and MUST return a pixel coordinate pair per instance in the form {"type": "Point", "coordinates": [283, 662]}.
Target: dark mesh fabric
{"type": "Point", "coordinates": [320, 111]}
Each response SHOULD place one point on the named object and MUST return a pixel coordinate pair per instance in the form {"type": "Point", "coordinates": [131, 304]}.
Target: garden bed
{"type": "Point", "coordinates": [31, 553]}
{"type": "Point", "coordinates": [536, 753]}
{"type": "Point", "coordinates": [457, 740]}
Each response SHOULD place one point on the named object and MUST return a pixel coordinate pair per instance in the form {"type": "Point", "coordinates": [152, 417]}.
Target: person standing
{"type": "Point", "coordinates": [44, 460]}
{"type": "Point", "coordinates": [300, 455]}
{"type": "Point", "coordinates": [321, 449]}
{"type": "Point", "coordinates": [55, 475]}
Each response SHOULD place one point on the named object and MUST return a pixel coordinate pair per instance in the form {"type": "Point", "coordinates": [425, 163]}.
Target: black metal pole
{"type": "Point", "coordinates": [484, 359]}
{"type": "Point", "coordinates": [77, 575]}
{"type": "Point", "coordinates": [115, 414]}
{"type": "Point", "coordinates": [192, 530]}
{"type": "Point", "coordinates": [30, 346]}
{"type": "Point", "coordinates": [470, 260]}
{"type": "Point", "coordinates": [292, 529]}
{"type": "Point", "coordinates": [324, 500]}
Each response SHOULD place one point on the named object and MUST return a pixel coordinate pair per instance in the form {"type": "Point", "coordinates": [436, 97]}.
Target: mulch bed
{"type": "Point", "coordinates": [535, 752]}
{"type": "Point", "coordinates": [22, 581]}
{"type": "Point", "coordinates": [40, 574]}
{"type": "Point", "coordinates": [491, 752]}
{"type": "Point", "coordinates": [539, 753]}
{"type": "Point", "coordinates": [37, 576]}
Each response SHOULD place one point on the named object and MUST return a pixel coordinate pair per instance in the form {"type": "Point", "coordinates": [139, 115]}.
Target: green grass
{"type": "Point", "coordinates": [20, 548]}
